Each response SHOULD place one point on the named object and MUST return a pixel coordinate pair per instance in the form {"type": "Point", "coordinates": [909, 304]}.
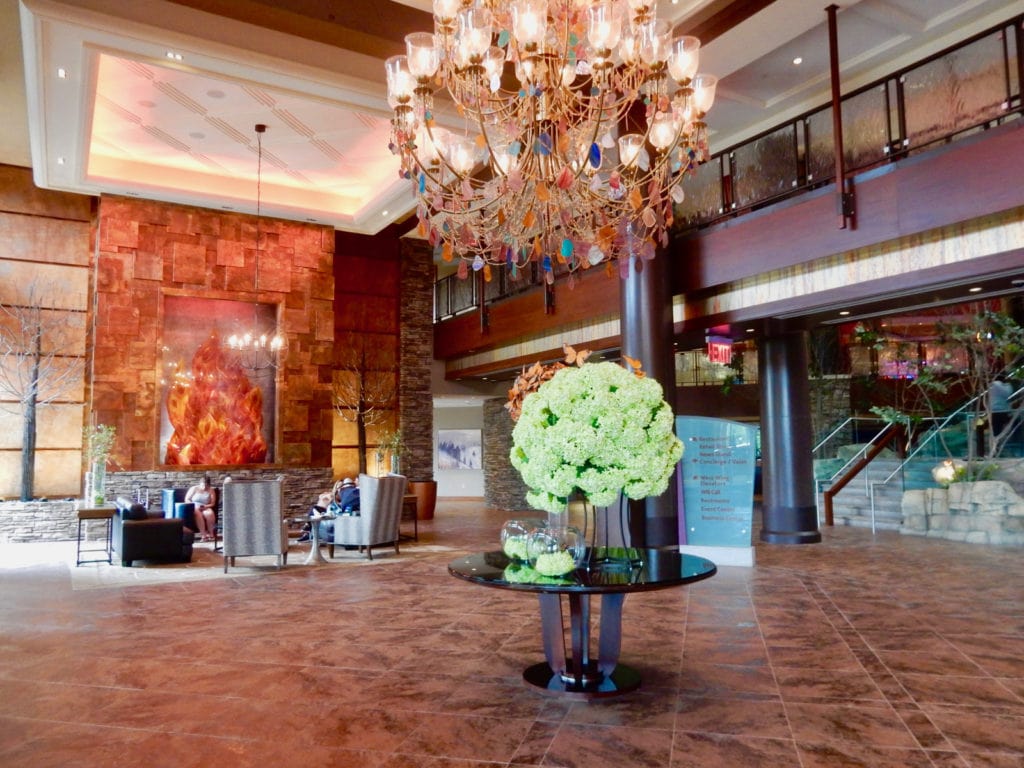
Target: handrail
{"type": "Point", "coordinates": [818, 483]}
{"type": "Point", "coordinates": [934, 432]}
{"type": "Point", "coordinates": [880, 441]}
{"type": "Point", "coordinates": [898, 144]}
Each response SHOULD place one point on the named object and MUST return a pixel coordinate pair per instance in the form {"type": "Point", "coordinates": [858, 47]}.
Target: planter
{"type": "Point", "coordinates": [425, 492]}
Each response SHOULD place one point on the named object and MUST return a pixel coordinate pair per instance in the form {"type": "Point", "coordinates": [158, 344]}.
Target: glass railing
{"type": "Point", "coordinates": [970, 87]}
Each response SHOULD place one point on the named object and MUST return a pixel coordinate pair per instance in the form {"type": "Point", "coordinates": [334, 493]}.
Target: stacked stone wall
{"type": "Point", "coordinates": [982, 512]}
{"type": "Point", "coordinates": [417, 351]}
{"type": "Point", "coordinates": [35, 521]}
{"type": "Point", "coordinates": [503, 487]}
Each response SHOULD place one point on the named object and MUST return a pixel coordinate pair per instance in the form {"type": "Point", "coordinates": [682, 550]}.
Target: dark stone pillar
{"type": "Point", "coordinates": [790, 515]}
{"type": "Point", "coordinates": [646, 312]}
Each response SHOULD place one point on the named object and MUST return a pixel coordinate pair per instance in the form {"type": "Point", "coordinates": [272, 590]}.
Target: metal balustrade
{"type": "Point", "coordinates": [970, 87]}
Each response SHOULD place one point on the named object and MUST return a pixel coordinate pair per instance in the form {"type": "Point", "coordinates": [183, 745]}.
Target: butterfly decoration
{"type": "Point", "coordinates": [635, 366]}
{"type": "Point", "coordinates": [572, 357]}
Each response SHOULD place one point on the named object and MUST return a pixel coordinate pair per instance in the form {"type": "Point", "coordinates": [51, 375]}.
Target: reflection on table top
{"type": "Point", "coordinates": [659, 569]}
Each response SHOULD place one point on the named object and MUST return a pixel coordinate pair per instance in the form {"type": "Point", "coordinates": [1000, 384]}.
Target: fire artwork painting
{"type": "Point", "coordinates": [216, 412]}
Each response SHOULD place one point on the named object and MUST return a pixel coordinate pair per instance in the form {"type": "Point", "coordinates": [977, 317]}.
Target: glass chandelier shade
{"type": "Point", "coordinates": [580, 119]}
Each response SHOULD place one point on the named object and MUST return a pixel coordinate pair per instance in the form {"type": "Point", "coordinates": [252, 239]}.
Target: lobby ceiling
{"type": "Point", "coordinates": [159, 99]}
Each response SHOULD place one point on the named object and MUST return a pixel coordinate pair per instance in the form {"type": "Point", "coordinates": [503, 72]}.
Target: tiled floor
{"type": "Point", "coordinates": [882, 651]}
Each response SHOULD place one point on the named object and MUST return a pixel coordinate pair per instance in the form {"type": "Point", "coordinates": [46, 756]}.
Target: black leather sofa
{"type": "Point", "coordinates": [139, 535]}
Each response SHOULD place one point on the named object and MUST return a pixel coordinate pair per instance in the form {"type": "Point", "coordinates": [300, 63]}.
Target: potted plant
{"type": "Point", "coordinates": [99, 444]}
{"type": "Point", "coordinates": [390, 445]}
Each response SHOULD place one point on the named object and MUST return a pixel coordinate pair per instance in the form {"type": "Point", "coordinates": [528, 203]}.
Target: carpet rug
{"type": "Point", "coordinates": [205, 564]}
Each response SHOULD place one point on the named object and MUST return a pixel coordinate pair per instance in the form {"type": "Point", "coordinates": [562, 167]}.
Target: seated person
{"type": "Point", "coordinates": [343, 500]}
{"type": "Point", "coordinates": [204, 497]}
{"type": "Point", "coordinates": [346, 498]}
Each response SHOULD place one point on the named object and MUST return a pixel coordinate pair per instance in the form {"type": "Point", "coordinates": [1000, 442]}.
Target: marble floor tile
{"type": "Point", "coordinates": [851, 652]}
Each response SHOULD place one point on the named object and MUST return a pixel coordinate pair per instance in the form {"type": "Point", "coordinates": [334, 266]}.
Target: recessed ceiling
{"type": "Point", "coordinates": [127, 119]}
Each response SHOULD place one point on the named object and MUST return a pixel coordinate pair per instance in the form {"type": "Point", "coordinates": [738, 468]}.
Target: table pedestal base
{"type": "Point", "coordinates": [573, 670]}
{"type": "Point", "coordinates": [596, 684]}
{"type": "Point", "coordinates": [315, 556]}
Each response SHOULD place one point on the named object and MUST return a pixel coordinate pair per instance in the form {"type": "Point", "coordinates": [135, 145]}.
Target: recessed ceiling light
{"type": "Point", "coordinates": [844, 312]}
{"type": "Point", "coordinates": [216, 94]}
{"type": "Point", "coordinates": [975, 289]}
{"type": "Point", "coordinates": [173, 56]}
{"type": "Point", "coordinates": [1017, 281]}
{"type": "Point", "coordinates": [798, 61]}
{"type": "Point", "coordinates": [750, 330]}
{"type": "Point", "coordinates": [197, 135]}
{"type": "Point", "coordinates": [62, 73]}
{"type": "Point", "coordinates": [383, 213]}
{"type": "Point", "coordinates": [61, 160]}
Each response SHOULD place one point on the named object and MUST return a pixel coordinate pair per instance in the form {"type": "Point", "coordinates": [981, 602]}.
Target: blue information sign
{"type": "Point", "coordinates": [716, 481]}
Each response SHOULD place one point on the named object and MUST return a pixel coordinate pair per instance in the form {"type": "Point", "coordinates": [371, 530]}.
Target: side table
{"type": "Point", "coordinates": [409, 513]}
{"type": "Point", "coordinates": [315, 556]}
{"type": "Point", "coordinates": [86, 516]}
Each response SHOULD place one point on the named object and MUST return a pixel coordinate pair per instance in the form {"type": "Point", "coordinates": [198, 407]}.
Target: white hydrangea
{"type": "Point", "coordinates": [599, 429]}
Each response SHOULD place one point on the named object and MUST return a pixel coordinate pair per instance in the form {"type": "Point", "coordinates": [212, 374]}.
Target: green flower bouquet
{"type": "Point", "coordinates": [598, 429]}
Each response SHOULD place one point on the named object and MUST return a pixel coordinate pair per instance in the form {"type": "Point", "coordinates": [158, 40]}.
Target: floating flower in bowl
{"type": "Point", "coordinates": [555, 551]}
{"type": "Point", "coordinates": [514, 535]}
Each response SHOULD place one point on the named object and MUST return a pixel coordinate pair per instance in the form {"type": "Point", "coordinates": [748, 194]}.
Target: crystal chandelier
{"type": "Point", "coordinates": [255, 349]}
{"type": "Point", "coordinates": [580, 119]}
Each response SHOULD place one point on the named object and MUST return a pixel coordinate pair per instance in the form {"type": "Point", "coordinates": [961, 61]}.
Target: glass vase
{"type": "Point", "coordinates": [514, 536]}
{"type": "Point", "coordinates": [607, 535]}
{"type": "Point", "coordinates": [555, 551]}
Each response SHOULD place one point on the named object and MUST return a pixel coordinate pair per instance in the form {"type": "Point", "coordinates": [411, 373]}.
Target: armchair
{"type": "Point", "coordinates": [139, 535]}
{"type": "Point", "coordinates": [174, 505]}
{"type": "Point", "coordinates": [376, 524]}
{"type": "Point", "coordinates": [252, 520]}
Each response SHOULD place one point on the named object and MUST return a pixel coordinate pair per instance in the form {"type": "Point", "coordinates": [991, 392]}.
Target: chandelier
{"type": "Point", "coordinates": [255, 349]}
{"type": "Point", "coordinates": [580, 120]}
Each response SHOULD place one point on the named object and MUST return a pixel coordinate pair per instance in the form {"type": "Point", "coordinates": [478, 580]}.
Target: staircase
{"type": "Point", "coordinates": [852, 505]}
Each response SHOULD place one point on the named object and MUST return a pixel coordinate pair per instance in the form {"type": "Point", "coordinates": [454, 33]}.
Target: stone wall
{"type": "Point", "coordinates": [503, 487]}
{"type": "Point", "coordinates": [57, 520]}
{"type": "Point", "coordinates": [982, 512]}
{"type": "Point", "coordinates": [149, 250]}
{"type": "Point", "coordinates": [416, 403]}
{"type": "Point", "coordinates": [44, 262]}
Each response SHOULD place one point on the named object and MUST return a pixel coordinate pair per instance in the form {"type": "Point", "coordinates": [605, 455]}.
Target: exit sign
{"type": "Point", "coordinates": [720, 351]}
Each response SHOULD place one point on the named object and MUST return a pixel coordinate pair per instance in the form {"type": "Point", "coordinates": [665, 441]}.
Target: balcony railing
{"type": "Point", "coordinates": [970, 87]}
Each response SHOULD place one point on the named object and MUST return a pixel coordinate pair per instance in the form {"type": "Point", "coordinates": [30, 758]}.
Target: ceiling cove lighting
{"type": "Point", "coordinates": [579, 122]}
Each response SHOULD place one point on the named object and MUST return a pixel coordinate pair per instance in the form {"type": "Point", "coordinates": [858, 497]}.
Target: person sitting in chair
{"type": "Point", "coordinates": [346, 498]}
{"type": "Point", "coordinates": [204, 497]}
{"type": "Point", "coordinates": [343, 500]}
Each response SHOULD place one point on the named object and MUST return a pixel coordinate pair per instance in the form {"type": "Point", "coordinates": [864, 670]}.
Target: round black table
{"type": "Point", "coordinates": [576, 673]}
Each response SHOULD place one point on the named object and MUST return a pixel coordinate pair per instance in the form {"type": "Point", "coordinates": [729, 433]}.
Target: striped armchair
{"type": "Point", "coordinates": [252, 513]}
{"type": "Point", "coordinates": [380, 510]}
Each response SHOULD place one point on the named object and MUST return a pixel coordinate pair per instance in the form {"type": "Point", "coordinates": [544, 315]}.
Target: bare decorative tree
{"type": "Point", "coordinates": [365, 388]}
{"type": "Point", "coordinates": [41, 350]}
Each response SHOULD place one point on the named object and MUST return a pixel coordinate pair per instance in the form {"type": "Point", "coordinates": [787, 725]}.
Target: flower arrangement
{"type": "Point", "coordinates": [600, 429]}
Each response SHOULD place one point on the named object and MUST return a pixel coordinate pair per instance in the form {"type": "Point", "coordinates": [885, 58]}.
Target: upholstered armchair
{"type": "Point", "coordinates": [252, 520]}
{"type": "Point", "coordinates": [174, 505]}
{"type": "Point", "coordinates": [139, 535]}
{"type": "Point", "coordinates": [380, 510]}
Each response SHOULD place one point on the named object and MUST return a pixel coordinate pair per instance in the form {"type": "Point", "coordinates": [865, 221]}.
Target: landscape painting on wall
{"type": "Point", "coordinates": [217, 408]}
{"type": "Point", "coordinates": [458, 449]}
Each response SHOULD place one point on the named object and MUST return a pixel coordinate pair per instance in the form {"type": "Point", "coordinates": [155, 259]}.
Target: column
{"type": "Point", "coordinates": [789, 511]}
{"type": "Point", "coordinates": [646, 312]}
